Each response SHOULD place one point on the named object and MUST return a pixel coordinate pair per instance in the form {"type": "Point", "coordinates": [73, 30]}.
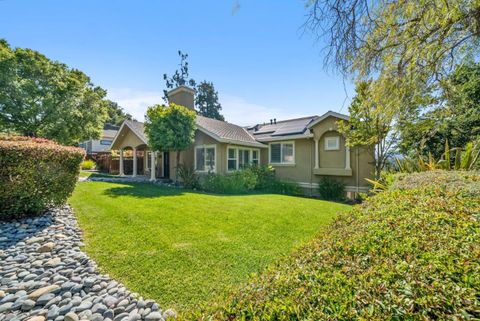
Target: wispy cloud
{"type": "Point", "coordinates": [135, 102]}
{"type": "Point", "coordinates": [236, 109]}
{"type": "Point", "coordinates": [241, 112]}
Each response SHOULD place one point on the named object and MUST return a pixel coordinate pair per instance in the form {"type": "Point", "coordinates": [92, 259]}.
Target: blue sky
{"type": "Point", "coordinates": [258, 59]}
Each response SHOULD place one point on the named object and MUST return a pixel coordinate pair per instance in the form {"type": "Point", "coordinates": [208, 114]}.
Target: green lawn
{"type": "Point", "coordinates": [183, 248]}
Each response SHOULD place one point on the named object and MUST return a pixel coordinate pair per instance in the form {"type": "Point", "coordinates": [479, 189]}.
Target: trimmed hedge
{"type": "Point", "coordinates": [411, 252]}
{"type": "Point", "coordinates": [35, 174]}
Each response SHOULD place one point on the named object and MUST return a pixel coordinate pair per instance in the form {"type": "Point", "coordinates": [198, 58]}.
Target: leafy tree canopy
{"type": "Point", "coordinates": [44, 98]}
{"type": "Point", "coordinates": [207, 101]}
{"type": "Point", "coordinates": [170, 128]}
{"type": "Point", "coordinates": [456, 119]}
{"type": "Point", "coordinates": [115, 114]}
{"type": "Point", "coordinates": [407, 46]}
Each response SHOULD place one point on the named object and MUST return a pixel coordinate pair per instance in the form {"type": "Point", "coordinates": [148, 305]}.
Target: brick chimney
{"type": "Point", "coordinates": [182, 95]}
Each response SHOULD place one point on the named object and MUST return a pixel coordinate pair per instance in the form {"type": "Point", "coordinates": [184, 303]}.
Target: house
{"type": "Point", "coordinates": [102, 145]}
{"type": "Point", "coordinates": [302, 150]}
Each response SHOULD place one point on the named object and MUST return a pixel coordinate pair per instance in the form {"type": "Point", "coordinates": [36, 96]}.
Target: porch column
{"type": "Point", "coordinates": [347, 158]}
{"type": "Point", "coordinates": [316, 153]}
{"type": "Point", "coordinates": [120, 169]}
{"type": "Point", "coordinates": [134, 173]}
{"type": "Point", "coordinates": [152, 170]}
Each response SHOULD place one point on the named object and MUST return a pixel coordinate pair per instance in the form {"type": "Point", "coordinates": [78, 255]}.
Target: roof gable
{"type": "Point", "coordinates": [326, 115]}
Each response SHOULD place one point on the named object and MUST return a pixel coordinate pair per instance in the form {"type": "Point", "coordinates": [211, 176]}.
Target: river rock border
{"type": "Point", "coordinates": [44, 275]}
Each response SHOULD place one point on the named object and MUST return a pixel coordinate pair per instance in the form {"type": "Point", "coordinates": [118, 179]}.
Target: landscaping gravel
{"type": "Point", "coordinates": [45, 276]}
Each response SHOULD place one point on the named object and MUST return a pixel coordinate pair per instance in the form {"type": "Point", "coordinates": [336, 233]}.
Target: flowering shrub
{"type": "Point", "coordinates": [34, 174]}
{"type": "Point", "coordinates": [88, 164]}
{"type": "Point", "coordinates": [408, 253]}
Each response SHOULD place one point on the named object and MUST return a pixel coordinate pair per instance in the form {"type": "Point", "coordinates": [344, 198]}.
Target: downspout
{"type": "Point", "coordinates": [312, 152]}
{"type": "Point", "coordinates": [356, 169]}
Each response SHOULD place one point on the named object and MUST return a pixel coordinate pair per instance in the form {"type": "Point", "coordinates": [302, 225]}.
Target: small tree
{"type": "Point", "coordinates": [170, 128]}
{"type": "Point", "coordinates": [370, 124]}
{"type": "Point", "coordinates": [179, 78]}
{"type": "Point", "coordinates": [207, 101]}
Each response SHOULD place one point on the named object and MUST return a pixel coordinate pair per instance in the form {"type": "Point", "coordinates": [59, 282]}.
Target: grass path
{"type": "Point", "coordinates": [183, 248]}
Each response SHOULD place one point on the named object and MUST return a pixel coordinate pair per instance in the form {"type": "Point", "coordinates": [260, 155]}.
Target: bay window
{"type": "Point", "coordinates": [282, 153]}
{"type": "Point", "coordinates": [205, 157]}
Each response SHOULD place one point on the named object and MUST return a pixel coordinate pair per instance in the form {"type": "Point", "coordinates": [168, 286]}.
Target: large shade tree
{"type": "Point", "coordinates": [407, 47]}
{"type": "Point", "coordinates": [455, 119]}
{"type": "Point", "coordinates": [44, 98]}
{"type": "Point", "coordinates": [206, 101]}
{"type": "Point", "coordinates": [115, 114]}
{"type": "Point", "coordinates": [170, 128]}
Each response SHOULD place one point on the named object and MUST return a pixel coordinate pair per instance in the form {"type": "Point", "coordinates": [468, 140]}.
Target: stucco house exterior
{"type": "Point", "coordinates": [301, 150]}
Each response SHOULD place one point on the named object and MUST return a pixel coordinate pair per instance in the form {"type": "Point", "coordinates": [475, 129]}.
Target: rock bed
{"type": "Point", "coordinates": [45, 276]}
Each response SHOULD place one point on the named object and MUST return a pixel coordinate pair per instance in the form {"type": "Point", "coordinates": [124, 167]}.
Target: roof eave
{"type": "Point", "coordinates": [125, 123]}
{"type": "Point", "coordinates": [326, 115]}
{"type": "Point", "coordinates": [229, 141]}
{"type": "Point", "coordinates": [286, 137]}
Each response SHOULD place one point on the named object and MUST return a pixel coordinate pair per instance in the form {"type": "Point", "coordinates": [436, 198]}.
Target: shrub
{"type": "Point", "coordinates": [187, 176]}
{"type": "Point", "coordinates": [87, 164]}
{"type": "Point", "coordinates": [35, 174]}
{"type": "Point", "coordinates": [239, 182]}
{"type": "Point", "coordinates": [331, 189]}
{"type": "Point", "coordinates": [408, 253]}
{"type": "Point", "coordinates": [283, 187]}
{"type": "Point", "coordinates": [265, 176]}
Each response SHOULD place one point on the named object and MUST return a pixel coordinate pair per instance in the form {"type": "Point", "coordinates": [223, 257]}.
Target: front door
{"type": "Point", "coordinates": [166, 165]}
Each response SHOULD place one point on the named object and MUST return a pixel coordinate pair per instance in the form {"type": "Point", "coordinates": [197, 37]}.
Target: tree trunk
{"type": "Point", "coordinates": [176, 167]}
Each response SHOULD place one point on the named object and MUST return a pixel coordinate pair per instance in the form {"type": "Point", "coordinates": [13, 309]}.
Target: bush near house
{"type": "Point", "coordinates": [331, 189]}
{"type": "Point", "coordinates": [87, 164]}
{"type": "Point", "coordinates": [408, 253]}
{"type": "Point", "coordinates": [34, 174]}
{"type": "Point", "coordinates": [249, 179]}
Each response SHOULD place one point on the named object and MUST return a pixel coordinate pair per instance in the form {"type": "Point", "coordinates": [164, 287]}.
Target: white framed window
{"type": "Point", "coordinates": [232, 159]}
{"type": "Point", "coordinates": [106, 142]}
{"type": "Point", "coordinates": [282, 153]}
{"type": "Point", "coordinates": [205, 158]}
{"type": "Point", "coordinates": [241, 157]}
{"type": "Point", "coordinates": [332, 143]}
{"type": "Point", "coordinates": [149, 160]}
{"type": "Point", "coordinates": [255, 157]}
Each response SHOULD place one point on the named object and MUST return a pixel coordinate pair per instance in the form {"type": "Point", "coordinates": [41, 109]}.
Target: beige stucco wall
{"type": "Point", "coordinates": [361, 161]}
{"type": "Point", "coordinates": [126, 138]}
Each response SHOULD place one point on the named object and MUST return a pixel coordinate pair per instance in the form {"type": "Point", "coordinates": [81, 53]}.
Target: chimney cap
{"type": "Point", "coordinates": [180, 89]}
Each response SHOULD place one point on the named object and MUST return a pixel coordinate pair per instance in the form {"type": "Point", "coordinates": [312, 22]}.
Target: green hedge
{"type": "Point", "coordinates": [409, 253]}
{"type": "Point", "coordinates": [35, 174]}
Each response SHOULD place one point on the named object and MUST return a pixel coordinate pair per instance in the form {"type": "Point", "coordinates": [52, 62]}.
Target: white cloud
{"type": "Point", "coordinates": [135, 102]}
{"type": "Point", "coordinates": [235, 109]}
{"type": "Point", "coordinates": [241, 112]}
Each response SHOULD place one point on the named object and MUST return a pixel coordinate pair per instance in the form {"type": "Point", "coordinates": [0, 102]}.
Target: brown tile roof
{"type": "Point", "coordinates": [220, 130]}
{"type": "Point", "coordinates": [226, 131]}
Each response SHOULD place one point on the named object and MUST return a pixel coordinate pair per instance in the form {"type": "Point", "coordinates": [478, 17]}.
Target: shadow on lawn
{"type": "Point", "coordinates": [143, 190]}
{"type": "Point", "coordinates": [148, 190]}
